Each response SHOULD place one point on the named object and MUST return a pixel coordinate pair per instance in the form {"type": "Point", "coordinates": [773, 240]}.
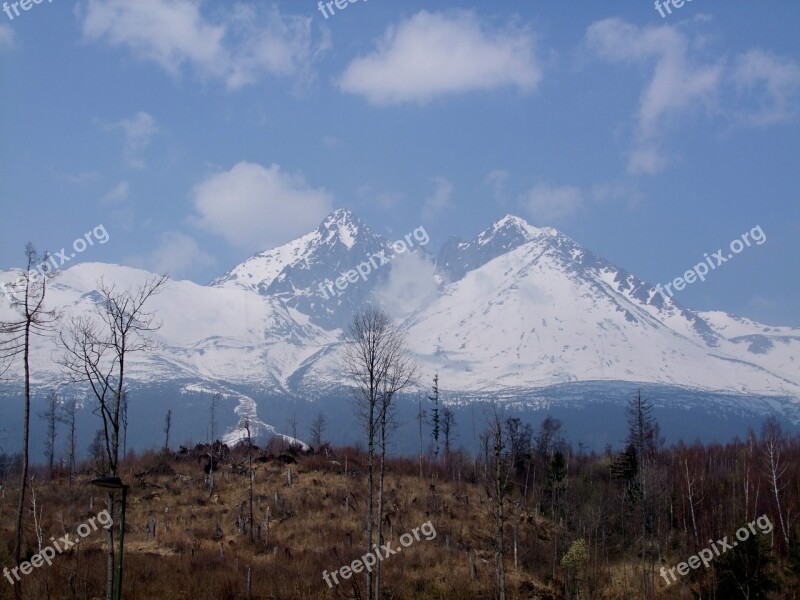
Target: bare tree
{"type": "Point", "coordinates": [50, 417]}
{"type": "Point", "coordinates": [399, 371]}
{"type": "Point", "coordinates": [318, 429]}
{"type": "Point", "coordinates": [775, 467]}
{"type": "Point", "coordinates": [26, 295]}
{"type": "Point", "coordinates": [548, 437]}
{"type": "Point", "coordinates": [96, 349]}
{"type": "Point", "coordinates": [373, 359]}
{"type": "Point", "coordinates": [690, 497]}
{"type": "Point", "coordinates": [67, 416]}
{"type": "Point", "coordinates": [250, 475]}
{"type": "Point", "coordinates": [97, 452]}
{"type": "Point", "coordinates": [123, 415]}
{"type": "Point", "coordinates": [495, 437]}
{"type": "Point", "coordinates": [211, 458]}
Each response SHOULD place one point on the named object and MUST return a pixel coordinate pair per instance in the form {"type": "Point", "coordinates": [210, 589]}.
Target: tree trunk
{"type": "Point", "coordinates": [370, 491]}
{"type": "Point", "coordinates": [380, 505]}
{"type": "Point", "coordinates": [110, 542]}
{"type": "Point", "coordinates": [25, 437]}
{"type": "Point", "coordinates": [500, 500]}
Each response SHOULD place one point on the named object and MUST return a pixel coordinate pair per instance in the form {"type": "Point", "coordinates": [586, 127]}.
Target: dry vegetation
{"type": "Point", "coordinates": [184, 542]}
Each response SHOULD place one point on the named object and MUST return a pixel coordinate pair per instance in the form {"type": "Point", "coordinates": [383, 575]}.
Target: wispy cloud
{"type": "Point", "coordinates": [119, 193]}
{"type": "Point", "coordinates": [761, 87]}
{"type": "Point", "coordinates": [496, 181]}
{"type": "Point", "coordinates": [243, 44]}
{"type": "Point", "coordinates": [139, 131]}
{"type": "Point", "coordinates": [256, 207]}
{"type": "Point", "coordinates": [177, 254]}
{"type": "Point", "coordinates": [433, 54]}
{"type": "Point", "coordinates": [678, 83]}
{"type": "Point", "coordinates": [84, 178]}
{"type": "Point", "coordinates": [439, 201]}
{"type": "Point", "coordinates": [775, 82]}
{"type": "Point", "coordinates": [6, 36]}
{"type": "Point", "coordinates": [547, 203]}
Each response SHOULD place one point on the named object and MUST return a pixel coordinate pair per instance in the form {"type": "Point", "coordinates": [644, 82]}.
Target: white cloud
{"type": "Point", "coordinates": [243, 44]}
{"type": "Point", "coordinates": [139, 131]}
{"type": "Point", "coordinates": [411, 281]}
{"type": "Point", "coordinates": [83, 178]}
{"type": "Point", "coordinates": [439, 201]}
{"type": "Point", "coordinates": [647, 158]}
{"type": "Point", "coordinates": [496, 180]}
{"type": "Point", "coordinates": [680, 85]}
{"type": "Point", "coordinates": [177, 254]}
{"type": "Point", "coordinates": [6, 35]}
{"type": "Point", "coordinates": [677, 86]}
{"type": "Point", "coordinates": [548, 203]}
{"type": "Point", "coordinates": [434, 54]}
{"type": "Point", "coordinates": [606, 193]}
{"type": "Point", "coordinates": [256, 207]}
{"type": "Point", "coordinates": [119, 193]}
{"type": "Point", "coordinates": [777, 79]}
{"type": "Point", "coordinates": [386, 199]}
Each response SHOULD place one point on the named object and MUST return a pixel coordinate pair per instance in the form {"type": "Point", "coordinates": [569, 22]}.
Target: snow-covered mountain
{"type": "Point", "coordinates": [516, 310]}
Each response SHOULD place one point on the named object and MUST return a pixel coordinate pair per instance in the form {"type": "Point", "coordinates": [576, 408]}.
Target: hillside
{"type": "Point", "coordinates": [184, 540]}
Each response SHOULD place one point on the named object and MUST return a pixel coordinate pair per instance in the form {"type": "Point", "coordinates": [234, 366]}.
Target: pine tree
{"type": "Point", "coordinates": [745, 571]}
{"type": "Point", "coordinates": [436, 429]}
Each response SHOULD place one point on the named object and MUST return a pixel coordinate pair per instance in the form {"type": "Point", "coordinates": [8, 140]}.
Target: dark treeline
{"type": "Point", "coordinates": [626, 518]}
{"type": "Point", "coordinates": [528, 516]}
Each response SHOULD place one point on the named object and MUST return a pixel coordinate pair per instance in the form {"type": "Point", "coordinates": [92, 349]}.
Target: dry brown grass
{"type": "Point", "coordinates": [315, 524]}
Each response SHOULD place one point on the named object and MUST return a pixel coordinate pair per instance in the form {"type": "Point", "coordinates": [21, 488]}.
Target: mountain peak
{"type": "Point", "coordinates": [514, 224]}
{"type": "Point", "coordinates": [343, 224]}
{"type": "Point", "coordinates": [457, 257]}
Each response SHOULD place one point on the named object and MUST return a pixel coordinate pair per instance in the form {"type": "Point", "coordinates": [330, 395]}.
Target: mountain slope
{"type": "Point", "coordinates": [517, 310]}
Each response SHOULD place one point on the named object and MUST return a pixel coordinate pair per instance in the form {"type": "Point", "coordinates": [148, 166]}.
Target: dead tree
{"type": "Point", "coordinates": [399, 370]}
{"type": "Point", "coordinates": [775, 467]}
{"type": "Point", "coordinates": [96, 348]}
{"type": "Point", "coordinates": [26, 296]}
{"type": "Point", "coordinates": [317, 430]}
{"type": "Point", "coordinates": [373, 347]}
{"type": "Point", "coordinates": [50, 417]}
{"type": "Point", "coordinates": [66, 416]}
{"type": "Point", "coordinates": [211, 458]}
{"type": "Point", "coordinates": [498, 491]}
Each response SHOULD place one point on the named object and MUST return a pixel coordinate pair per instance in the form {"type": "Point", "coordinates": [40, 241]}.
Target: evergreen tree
{"type": "Point", "coordinates": [745, 571]}
{"type": "Point", "coordinates": [436, 428]}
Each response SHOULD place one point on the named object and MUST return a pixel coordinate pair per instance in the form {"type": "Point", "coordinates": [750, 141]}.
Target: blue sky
{"type": "Point", "coordinates": [199, 133]}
